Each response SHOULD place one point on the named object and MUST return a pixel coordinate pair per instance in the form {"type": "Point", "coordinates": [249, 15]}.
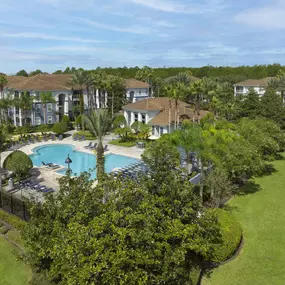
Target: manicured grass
{"type": "Point", "coordinates": [262, 213]}
{"type": "Point", "coordinates": [120, 143]}
{"type": "Point", "coordinates": [12, 271]}
{"type": "Point", "coordinates": [87, 134]}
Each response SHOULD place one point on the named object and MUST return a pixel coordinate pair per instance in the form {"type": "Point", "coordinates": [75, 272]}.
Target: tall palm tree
{"type": "Point", "coordinates": [79, 80]}
{"type": "Point", "coordinates": [197, 91]}
{"type": "Point", "coordinates": [99, 124]}
{"type": "Point", "coordinates": [5, 104]}
{"type": "Point", "coordinates": [26, 104]}
{"type": "Point", "coordinates": [46, 97]}
{"type": "Point", "coordinates": [181, 77]}
{"type": "Point", "coordinates": [3, 83]}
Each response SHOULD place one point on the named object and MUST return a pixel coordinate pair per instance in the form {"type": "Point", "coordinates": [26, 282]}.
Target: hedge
{"type": "Point", "coordinates": [12, 220]}
{"type": "Point", "coordinates": [87, 134]}
{"type": "Point", "coordinates": [120, 143]}
{"type": "Point", "coordinates": [231, 235]}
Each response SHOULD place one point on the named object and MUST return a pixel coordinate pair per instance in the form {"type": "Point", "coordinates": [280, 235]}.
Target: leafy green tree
{"type": "Point", "coordinates": [5, 104]}
{"type": "Point", "coordinates": [124, 133]}
{"type": "Point", "coordinates": [25, 103]}
{"type": "Point", "coordinates": [43, 129]}
{"type": "Point", "coordinates": [36, 72]}
{"type": "Point", "coordinates": [45, 97]}
{"type": "Point", "coordinates": [99, 124]}
{"type": "Point", "coordinates": [22, 73]}
{"type": "Point", "coordinates": [271, 107]}
{"type": "Point", "coordinates": [19, 163]}
{"type": "Point", "coordinates": [79, 80]}
{"type": "Point", "coordinates": [197, 91]}
{"type": "Point", "coordinates": [250, 106]}
{"type": "Point", "coordinates": [120, 121]}
{"type": "Point", "coordinates": [3, 138]}
{"type": "Point", "coordinates": [145, 232]}
{"type": "Point", "coordinates": [3, 83]}
{"type": "Point", "coordinates": [59, 128]}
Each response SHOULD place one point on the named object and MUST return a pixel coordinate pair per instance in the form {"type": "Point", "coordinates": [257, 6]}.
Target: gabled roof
{"type": "Point", "coordinates": [56, 82]}
{"type": "Point", "coordinates": [255, 82]}
{"type": "Point", "coordinates": [12, 80]}
{"type": "Point", "coordinates": [134, 83]}
{"type": "Point", "coordinates": [165, 108]}
{"type": "Point", "coordinates": [45, 82]}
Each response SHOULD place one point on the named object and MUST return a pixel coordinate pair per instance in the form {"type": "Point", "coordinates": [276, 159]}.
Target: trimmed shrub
{"type": "Point", "coordinates": [119, 142]}
{"type": "Point", "coordinates": [231, 234]}
{"type": "Point", "coordinates": [19, 163]}
{"type": "Point", "coordinates": [42, 128]}
{"type": "Point", "coordinates": [12, 220]}
{"type": "Point", "coordinates": [87, 134]}
{"type": "Point", "coordinates": [59, 128]}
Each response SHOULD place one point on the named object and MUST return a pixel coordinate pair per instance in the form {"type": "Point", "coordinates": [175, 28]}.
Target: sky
{"type": "Point", "coordinates": [54, 34]}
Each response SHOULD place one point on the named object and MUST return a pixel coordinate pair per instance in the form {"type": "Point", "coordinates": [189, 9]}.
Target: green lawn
{"type": "Point", "coordinates": [262, 214]}
{"type": "Point", "coordinates": [120, 143]}
{"type": "Point", "coordinates": [12, 271]}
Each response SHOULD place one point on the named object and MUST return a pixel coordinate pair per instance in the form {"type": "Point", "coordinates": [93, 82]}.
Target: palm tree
{"type": "Point", "coordinates": [79, 80]}
{"type": "Point", "coordinates": [3, 137]}
{"type": "Point", "coordinates": [181, 77]}
{"type": "Point", "coordinates": [3, 83]}
{"type": "Point", "coordinates": [99, 124]}
{"type": "Point", "coordinates": [25, 103]}
{"type": "Point", "coordinates": [197, 91]}
{"type": "Point", "coordinates": [46, 97]}
{"type": "Point", "coordinates": [5, 104]}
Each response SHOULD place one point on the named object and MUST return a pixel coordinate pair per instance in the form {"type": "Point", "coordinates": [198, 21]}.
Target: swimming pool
{"type": "Point", "coordinates": [81, 161]}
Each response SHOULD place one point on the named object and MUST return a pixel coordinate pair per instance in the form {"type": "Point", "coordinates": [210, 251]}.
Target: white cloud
{"type": "Point", "coordinates": [270, 16]}
{"type": "Point", "coordinates": [132, 29]}
{"type": "Point", "coordinates": [49, 37]}
{"type": "Point", "coordinates": [178, 7]}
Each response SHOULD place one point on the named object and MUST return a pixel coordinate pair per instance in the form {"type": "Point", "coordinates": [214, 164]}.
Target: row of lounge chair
{"type": "Point", "coordinates": [92, 147]}
{"type": "Point", "coordinates": [133, 170]}
{"type": "Point", "coordinates": [78, 138]}
{"type": "Point", "coordinates": [35, 186]}
{"type": "Point", "coordinates": [14, 145]}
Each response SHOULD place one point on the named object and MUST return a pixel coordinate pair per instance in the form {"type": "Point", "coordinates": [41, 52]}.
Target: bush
{"type": "Point", "coordinates": [42, 128]}
{"type": "Point", "coordinates": [231, 234]}
{"type": "Point", "coordinates": [87, 134]}
{"type": "Point", "coordinates": [23, 130]}
{"type": "Point", "coordinates": [12, 220]}
{"type": "Point", "coordinates": [19, 163]}
{"type": "Point", "coordinates": [59, 128]}
{"type": "Point", "coordinates": [65, 119]}
{"type": "Point", "coordinates": [119, 142]}
{"type": "Point", "coordinates": [15, 236]}
{"type": "Point", "coordinates": [3, 230]}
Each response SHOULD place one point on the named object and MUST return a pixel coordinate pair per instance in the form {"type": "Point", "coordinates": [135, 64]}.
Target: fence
{"type": "Point", "coordinates": [14, 205]}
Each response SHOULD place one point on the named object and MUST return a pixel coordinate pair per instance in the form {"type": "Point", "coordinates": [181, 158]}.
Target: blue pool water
{"type": "Point", "coordinates": [81, 161]}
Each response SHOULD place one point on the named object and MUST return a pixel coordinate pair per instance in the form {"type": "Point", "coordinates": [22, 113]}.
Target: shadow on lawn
{"type": "Point", "coordinates": [249, 188]}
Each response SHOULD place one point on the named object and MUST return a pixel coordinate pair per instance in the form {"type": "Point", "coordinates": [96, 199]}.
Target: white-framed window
{"type": "Point", "coordinates": [136, 117]}
{"type": "Point", "coordinates": [49, 119]}
{"type": "Point", "coordinates": [239, 89]}
{"type": "Point", "coordinates": [38, 108]}
{"type": "Point", "coordinates": [143, 118]}
{"type": "Point", "coordinates": [49, 107]}
{"type": "Point", "coordinates": [140, 91]}
{"type": "Point", "coordinates": [153, 130]}
{"type": "Point", "coordinates": [38, 121]}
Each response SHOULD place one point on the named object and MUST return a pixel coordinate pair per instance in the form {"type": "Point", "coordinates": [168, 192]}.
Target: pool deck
{"type": "Point", "coordinates": [50, 177]}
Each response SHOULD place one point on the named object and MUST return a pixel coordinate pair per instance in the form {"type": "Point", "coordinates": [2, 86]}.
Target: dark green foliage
{"type": "Point", "coordinates": [38, 71]}
{"type": "Point", "coordinates": [231, 234]}
{"type": "Point", "coordinates": [22, 73]}
{"type": "Point", "coordinates": [65, 119]}
{"type": "Point", "coordinates": [123, 143]}
{"type": "Point", "coordinates": [43, 129]}
{"type": "Point", "coordinates": [19, 163]}
{"type": "Point", "coordinates": [59, 128]}
{"type": "Point", "coordinates": [272, 108]}
{"type": "Point", "coordinates": [120, 121]}
{"type": "Point", "coordinates": [143, 232]}
{"type": "Point", "coordinates": [88, 135]}
{"type": "Point", "coordinates": [250, 106]}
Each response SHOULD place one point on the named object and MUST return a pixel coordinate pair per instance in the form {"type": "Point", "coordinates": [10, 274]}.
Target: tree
{"type": "Point", "coordinates": [145, 232]}
{"type": "Point", "coordinates": [271, 107]}
{"type": "Point", "coordinates": [22, 73]}
{"type": "Point", "coordinates": [5, 104]}
{"type": "Point", "coordinates": [3, 83]}
{"type": "Point", "coordinates": [250, 106]}
{"type": "Point", "coordinates": [79, 81]}
{"type": "Point", "coordinates": [46, 97]}
{"type": "Point", "coordinates": [19, 163]}
{"type": "Point", "coordinates": [36, 72]}
{"type": "Point", "coordinates": [25, 103]}
{"type": "Point", "coordinates": [99, 124]}
{"type": "Point", "coordinates": [59, 128]}
{"type": "Point", "coordinates": [3, 137]}
{"type": "Point", "coordinates": [197, 91]}
{"type": "Point", "coordinates": [124, 133]}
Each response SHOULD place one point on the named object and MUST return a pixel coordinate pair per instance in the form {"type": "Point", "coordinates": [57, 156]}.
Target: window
{"type": "Point", "coordinates": [143, 118]}
{"type": "Point", "coordinates": [153, 130]}
{"type": "Point", "coordinates": [136, 117]}
{"type": "Point", "coordinates": [49, 119]}
{"type": "Point", "coordinates": [140, 91]}
{"type": "Point", "coordinates": [49, 107]}
{"type": "Point", "coordinates": [38, 121]}
{"type": "Point", "coordinates": [16, 95]}
{"type": "Point", "coordinates": [161, 130]}
{"type": "Point", "coordinates": [239, 89]}
{"type": "Point", "coordinates": [38, 108]}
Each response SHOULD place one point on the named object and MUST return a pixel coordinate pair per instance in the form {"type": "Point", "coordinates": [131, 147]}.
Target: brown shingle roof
{"type": "Point", "coordinates": [45, 82]}
{"type": "Point", "coordinates": [255, 82]}
{"type": "Point", "coordinates": [12, 80]}
{"type": "Point", "coordinates": [162, 106]}
{"type": "Point", "coordinates": [134, 83]}
{"type": "Point", "coordinates": [50, 82]}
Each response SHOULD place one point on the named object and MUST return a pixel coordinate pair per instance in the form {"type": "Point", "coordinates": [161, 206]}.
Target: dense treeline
{"type": "Point", "coordinates": [223, 73]}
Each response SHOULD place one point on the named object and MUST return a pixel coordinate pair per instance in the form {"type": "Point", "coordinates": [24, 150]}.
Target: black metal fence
{"type": "Point", "coordinates": [14, 205]}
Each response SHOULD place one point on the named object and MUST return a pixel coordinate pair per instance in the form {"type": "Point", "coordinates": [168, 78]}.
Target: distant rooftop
{"type": "Point", "coordinates": [255, 82]}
